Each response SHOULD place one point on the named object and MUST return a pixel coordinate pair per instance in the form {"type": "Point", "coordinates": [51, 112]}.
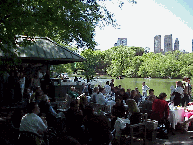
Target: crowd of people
{"type": "Point", "coordinates": [81, 125]}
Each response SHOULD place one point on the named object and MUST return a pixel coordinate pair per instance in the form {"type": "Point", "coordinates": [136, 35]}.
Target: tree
{"type": "Point", "coordinates": [90, 64]}
{"type": "Point", "coordinates": [121, 59]}
{"type": "Point", "coordinates": [60, 20]}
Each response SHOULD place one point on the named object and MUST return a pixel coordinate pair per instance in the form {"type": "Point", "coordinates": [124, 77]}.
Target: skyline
{"type": "Point", "coordinates": [141, 22]}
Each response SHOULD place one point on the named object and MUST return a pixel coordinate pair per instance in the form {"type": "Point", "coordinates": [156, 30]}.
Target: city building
{"type": "Point", "coordinates": [168, 43]}
{"type": "Point", "coordinates": [157, 44]}
{"type": "Point", "coordinates": [176, 44]}
{"type": "Point", "coordinates": [121, 41]}
{"type": "Point", "coordinates": [192, 45]}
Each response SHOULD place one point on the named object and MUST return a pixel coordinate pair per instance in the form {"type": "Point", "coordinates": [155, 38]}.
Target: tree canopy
{"type": "Point", "coordinates": [61, 20]}
{"type": "Point", "coordinates": [134, 62]}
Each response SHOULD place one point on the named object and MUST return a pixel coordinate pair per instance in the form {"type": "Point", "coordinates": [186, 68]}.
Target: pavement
{"type": "Point", "coordinates": [178, 139]}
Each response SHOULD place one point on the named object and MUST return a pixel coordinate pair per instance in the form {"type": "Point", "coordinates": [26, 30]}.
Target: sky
{"type": "Point", "coordinates": [141, 22]}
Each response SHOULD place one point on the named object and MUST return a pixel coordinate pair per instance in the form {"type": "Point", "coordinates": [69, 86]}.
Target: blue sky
{"type": "Point", "coordinates": [139, 23]}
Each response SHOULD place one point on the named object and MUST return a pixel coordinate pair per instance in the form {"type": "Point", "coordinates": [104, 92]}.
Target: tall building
{"type": "Point", "coordinates": [168, 43]}
{"type": "Point", "coordinates": [192, 45]}
{"type": "Point", "coordinates": [176, 44]}
{"type": "Point", "coordinates": [121, 41]}
{"type": "Point", "coordinates": [157, 44]}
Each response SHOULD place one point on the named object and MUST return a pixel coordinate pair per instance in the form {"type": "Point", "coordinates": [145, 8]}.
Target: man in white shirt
{"type": "Point", "coordinates": [107, 88]}
{"type": "Point", "coordinates": [144, 89]}
{"type": "Point", "coordinates": [100, 98]}
{"type": "Point", "coordinates": [32, 122]}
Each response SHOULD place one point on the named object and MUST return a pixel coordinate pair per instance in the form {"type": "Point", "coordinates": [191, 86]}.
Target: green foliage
{"type": "Point", "coordinates": [61, 20]}
{"type": "Point", "coordinates": [123, 60]}
{"type": "Point", "coordinates": [89, 65]}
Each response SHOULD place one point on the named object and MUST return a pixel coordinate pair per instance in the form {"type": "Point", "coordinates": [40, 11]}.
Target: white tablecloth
{"type": "Point", "coordinates": [111, 103]}
{"type": "Point", "coordinates": [120, 123]}
{"type": "Point", "coordinates": [176, 116]}
{"type": "Point", "coordinates": [88, 98]}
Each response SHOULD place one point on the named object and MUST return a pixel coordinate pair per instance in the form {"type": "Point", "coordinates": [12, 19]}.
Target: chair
{"type": "Point", "coordinates": [163, 125]}
{"type": "Point", "coordinates": [97, 107]}
{"type": "Point", "coordinates": [26, 137]}
{"type": "Point", "coordinates": [132, 131]}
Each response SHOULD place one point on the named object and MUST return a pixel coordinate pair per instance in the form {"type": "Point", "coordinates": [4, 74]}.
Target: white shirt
{"type": "Point", "coordinates": [100, 99]}
{"type": "Point", "coordinates": [22, 82]}
{"type": "Point", "coordinates": [107, 89]}
{"type": "Point", "coordinates": [145, 88]}
{"type": "Point", "coordinates": [180, 91]}
{"type": "Point", "coordinates": [93, 97]}
{"type": "Point", "coordinates": [32, 123]}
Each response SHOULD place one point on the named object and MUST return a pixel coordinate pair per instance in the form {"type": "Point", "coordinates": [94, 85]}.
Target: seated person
{"type": "Point", "coordinates": [138, 96]}
{"type": "Point", "coordinates": [100, 98]}
{"type": "Point", "coordinates": [151, 93]}
{"type": "Point", "coordinates": [147, 105]}
{"type": "Point", "coordinates": [123, 94]}
{"type": "Point", "coordinates": [118, 110]}
{"type": "Point", "coordinates": [83, 102]}
{"type": "Point", "coordinates": [128, 92]}
{"type": "Point", "coordinates": [16, 118]}
{"type": "Point", "coordinates": [133, 94]}
{"type": "Point", "coordinates": [94, 94]}
{"type": "Point", "coordinates": [46, 108]}
{"type": "Point", "coordinates": [31, 122]}
{"type": "Point", "coordinates": [107, 88]}
{"type": "Point", "coordinates": [97, 128]}
{"type": "Point", "coordinates": [74, 118]}
{"type": "Point", "coordinates": [133, 111]}
{"type": "Point", "coordinates": [73, 93]}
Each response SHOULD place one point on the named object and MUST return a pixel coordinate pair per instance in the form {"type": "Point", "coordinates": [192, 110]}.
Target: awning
{"type": "Point", "coordinates": [45, 50]}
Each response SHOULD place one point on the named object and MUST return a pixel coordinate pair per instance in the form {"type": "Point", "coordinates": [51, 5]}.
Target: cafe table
{"type": "Point", "coordinates": [176, 115]}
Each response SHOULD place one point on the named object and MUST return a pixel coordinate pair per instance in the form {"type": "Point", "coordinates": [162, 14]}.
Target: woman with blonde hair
{"type": "Point", "coordinates": [133, 111]}
{"type": "Point", "coordinates": [132, 106]}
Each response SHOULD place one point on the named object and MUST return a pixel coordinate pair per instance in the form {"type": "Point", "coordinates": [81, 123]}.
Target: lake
{"type": "Point", "coordinates": [159, 85]}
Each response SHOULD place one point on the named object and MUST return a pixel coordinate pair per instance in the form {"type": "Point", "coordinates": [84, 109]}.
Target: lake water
{"type": "Point", "coordinates": [159, 85]}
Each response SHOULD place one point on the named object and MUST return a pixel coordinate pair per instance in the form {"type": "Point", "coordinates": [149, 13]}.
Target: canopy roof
{"type": "Point", "coordinates": [45, 50]}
